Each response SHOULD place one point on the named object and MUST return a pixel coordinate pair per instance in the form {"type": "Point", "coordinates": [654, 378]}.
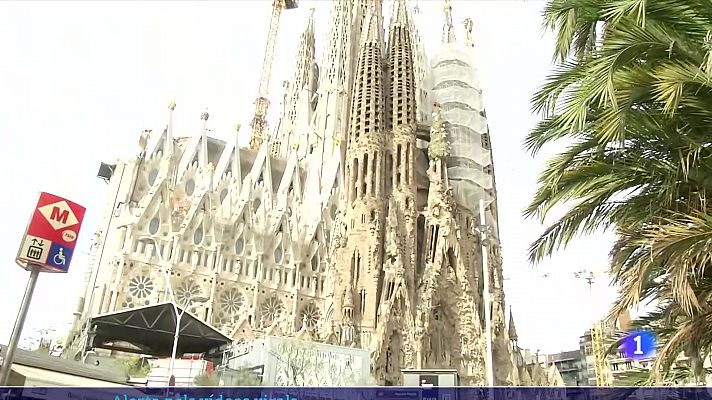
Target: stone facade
{"type": "Point", "coordinates": [293, 362]}
{"type": "Point", "coordinates": [356, 224]}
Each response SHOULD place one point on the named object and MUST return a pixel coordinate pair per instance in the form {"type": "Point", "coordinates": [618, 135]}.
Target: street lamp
{"type": "Point", "coordinates": [588, 276]}
{"type": "Point", "coordinates": [484, 231]}
{"type": "Point", "coordinates": [177, 312]}
{"type": "Point", "coordinates": [179, 315]}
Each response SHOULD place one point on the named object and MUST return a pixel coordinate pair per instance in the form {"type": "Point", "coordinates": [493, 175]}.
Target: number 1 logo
{"type": "Point", "coordinates": [639, 344]}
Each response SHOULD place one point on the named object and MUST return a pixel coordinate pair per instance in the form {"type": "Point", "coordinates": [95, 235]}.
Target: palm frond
{"type": "Point", "coordinates": [631, 93]}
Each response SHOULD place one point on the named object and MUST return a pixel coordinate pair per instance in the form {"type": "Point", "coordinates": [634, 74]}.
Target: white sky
{"type": "Point", "coordinates": [80, 80]}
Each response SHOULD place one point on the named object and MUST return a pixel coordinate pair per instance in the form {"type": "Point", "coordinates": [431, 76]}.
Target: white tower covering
{"type": "Point", "coordinates": [456, 88]}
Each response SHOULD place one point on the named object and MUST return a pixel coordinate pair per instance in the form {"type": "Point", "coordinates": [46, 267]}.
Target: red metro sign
{"type": "Point", "coordinates": [52, 234]}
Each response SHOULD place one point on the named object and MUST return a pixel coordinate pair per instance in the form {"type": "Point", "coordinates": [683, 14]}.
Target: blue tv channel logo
{"type": "Point", "coordinates": [639, 344]}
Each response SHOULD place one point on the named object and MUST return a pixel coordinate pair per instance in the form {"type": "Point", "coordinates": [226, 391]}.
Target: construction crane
{"type": "Point", "coordinates": [600, 362]}
{"type": "Point", "coordinates": [259, 121]}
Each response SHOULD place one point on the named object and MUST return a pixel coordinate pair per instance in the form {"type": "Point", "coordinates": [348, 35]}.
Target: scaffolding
{"type": "Point", "coordinates": [456, 89]}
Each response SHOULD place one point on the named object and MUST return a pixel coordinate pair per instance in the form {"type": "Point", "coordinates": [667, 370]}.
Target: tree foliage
{"type": "Point", "coordinates": [228, 377]}
{"type": "Point", "coordinates": [239, 377]}
{"type": "Point", "coordinates": [207, 379]}
{"type": "Point", "coordinates": [136, 366]}
{"type": "Point", "coordinates": [631, 94]}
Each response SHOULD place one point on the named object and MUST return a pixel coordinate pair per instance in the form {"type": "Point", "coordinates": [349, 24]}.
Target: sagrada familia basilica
{"type": "Point", "coordinates": [355, 222]}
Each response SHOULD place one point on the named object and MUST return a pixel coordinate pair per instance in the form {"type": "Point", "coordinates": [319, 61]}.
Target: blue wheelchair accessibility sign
{"type": "Point", "coordinates": [59, 257]}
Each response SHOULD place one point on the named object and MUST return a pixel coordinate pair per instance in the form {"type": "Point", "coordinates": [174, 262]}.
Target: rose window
{"type": "Point", "coordinates": [141, 286]}
{"type": "Point", "coordinates": [271, 309]}
{"type": "Point", "coordinates": [310, 314]}
{"type": "Point", "coordinates": [231, 302]}
{"type": "Point", "coordinates": [187, 291]}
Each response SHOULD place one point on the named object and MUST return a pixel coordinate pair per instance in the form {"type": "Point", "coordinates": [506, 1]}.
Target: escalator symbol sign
{"type": "Point", "coordinates": [36, 249]}
{"type": "Point", "coordinates": [35, 252]}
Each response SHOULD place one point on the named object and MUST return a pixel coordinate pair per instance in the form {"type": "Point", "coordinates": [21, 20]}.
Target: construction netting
{"type": "Point", "coordinates": [456, 88]}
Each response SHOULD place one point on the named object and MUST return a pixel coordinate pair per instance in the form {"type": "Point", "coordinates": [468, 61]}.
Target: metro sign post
{"type": "Point", "coordinates": [51, 234]}
{"type": "Point", "coordinates": [47, 246]}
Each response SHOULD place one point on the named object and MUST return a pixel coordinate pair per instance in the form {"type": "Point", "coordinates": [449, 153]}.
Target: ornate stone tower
{"type": "Point", "coordinates": [400, 154]}
{"type": "Point", "coordinates": [360, 260]}
{"type": "Point", "coordinates": [300, 98]}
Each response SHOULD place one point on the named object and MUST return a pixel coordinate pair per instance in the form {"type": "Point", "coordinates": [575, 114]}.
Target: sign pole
{"type": "Point", "coordinates": [46, 246]}
{"type": "Point", "coordinates": [19, 323]}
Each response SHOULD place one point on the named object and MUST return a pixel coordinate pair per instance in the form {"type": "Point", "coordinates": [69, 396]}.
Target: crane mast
{"type": "Point", "coordinates": [600, 362]}
{"type": "Point", "coordinates": [599, 355]}
{"type": "Point", "coordinates": [259, 121]}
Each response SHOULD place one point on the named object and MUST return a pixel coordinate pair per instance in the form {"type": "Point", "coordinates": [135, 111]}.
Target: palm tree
{"type": "Point", "coordinates": [631, 93]}
{"type": "Point", "coordinates": [682, 287]}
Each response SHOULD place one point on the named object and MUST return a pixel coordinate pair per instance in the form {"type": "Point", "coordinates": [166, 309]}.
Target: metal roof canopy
{"type": "Point", "coordinates": [152, 328]}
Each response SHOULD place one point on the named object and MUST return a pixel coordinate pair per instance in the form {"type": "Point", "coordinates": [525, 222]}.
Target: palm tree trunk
{"type": "Point", "coordinates": [696, 363]}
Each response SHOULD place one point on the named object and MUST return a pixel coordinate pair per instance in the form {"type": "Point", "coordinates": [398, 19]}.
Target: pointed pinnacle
{"type": "Point", "coordinates": [310, 22]}
{"type": "Point", "coordinates": [399, 15]}
{"type": "Point", "coordinates": [373, 25]}
{"type": "Point", "coordinates": [448, 29]}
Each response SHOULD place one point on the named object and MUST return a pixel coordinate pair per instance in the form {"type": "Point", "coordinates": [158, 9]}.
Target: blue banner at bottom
{"type": "Point", "coordinates": [367, 393]}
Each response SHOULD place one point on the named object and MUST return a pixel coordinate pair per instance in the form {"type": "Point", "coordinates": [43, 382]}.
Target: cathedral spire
{"type": "Point", "coordinates": [401, 102]}
{"type": "Point", "coordinates": [291, 133]}
{"type": "Point", "coordinates": [278, 139]}
{"type": "Point", "coordinates": [204, 139]}
{"type": "Point", "coordinates": [331, 115]}
{"type": "Point", "coordinates": [399, 14]}
{"type": "Point", "coordinates": [310, 23]}
{"type": "Point", "coordinates": [336, 52]}
{"type": "Point", "coordinates": [236, 167]}
{"type": "Point", "coordinates": [448, 28]}
{"type": "Point", "coordinates": [373, 31]}
{"type": "Point", "coordinates": [468, 31]}
{"type": "Point", "coordinates": [364, 180]}
{"type": "Point", "coordinates": [169, 131]}
{"type": "Point", "coordinates": [512, 330]}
